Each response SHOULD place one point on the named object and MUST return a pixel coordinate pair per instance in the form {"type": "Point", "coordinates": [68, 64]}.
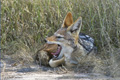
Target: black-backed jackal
{"type": "Point", "coordinates": [69, 43]}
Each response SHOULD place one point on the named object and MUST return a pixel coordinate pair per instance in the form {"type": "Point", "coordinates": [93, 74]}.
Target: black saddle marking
{"type": "Point", "coordinates": [87, 42]}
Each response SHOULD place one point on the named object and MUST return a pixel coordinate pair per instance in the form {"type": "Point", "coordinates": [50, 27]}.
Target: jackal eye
{"type": "Point", "coordinates": [59, 37]}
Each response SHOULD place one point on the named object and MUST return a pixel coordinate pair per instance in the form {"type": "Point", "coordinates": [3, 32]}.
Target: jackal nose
{"type": "Point", "coordinates": [45, 40]}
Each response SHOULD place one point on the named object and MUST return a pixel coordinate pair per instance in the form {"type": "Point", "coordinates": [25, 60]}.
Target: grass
{"type": "Point", "coordinates": [25, 24]}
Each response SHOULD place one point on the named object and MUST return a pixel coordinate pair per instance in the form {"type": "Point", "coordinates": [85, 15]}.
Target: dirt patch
{"type": "Point", "coordinates": [35, 72]}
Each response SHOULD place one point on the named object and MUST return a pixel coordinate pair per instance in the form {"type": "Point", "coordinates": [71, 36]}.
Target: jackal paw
{"type": "Point", "coordinates": [61, 70]}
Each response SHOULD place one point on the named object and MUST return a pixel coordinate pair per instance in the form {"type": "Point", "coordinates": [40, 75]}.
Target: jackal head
{"type": "Point", "coordinates": [66, 37]}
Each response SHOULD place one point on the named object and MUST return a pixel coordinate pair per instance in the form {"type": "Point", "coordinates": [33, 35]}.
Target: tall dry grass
{"type": "Point", "coordinates": [25, 24]}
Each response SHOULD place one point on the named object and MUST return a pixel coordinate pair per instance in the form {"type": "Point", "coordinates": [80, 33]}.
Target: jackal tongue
{"type": "Point", "coordinates": [57, 52]}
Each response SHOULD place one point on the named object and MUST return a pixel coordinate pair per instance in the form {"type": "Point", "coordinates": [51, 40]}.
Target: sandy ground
{"type": "Point", "coordinates": [35, 72]}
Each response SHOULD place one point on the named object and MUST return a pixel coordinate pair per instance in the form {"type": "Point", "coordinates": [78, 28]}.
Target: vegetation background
{"type": "Point", "coordinates": [25, 24]}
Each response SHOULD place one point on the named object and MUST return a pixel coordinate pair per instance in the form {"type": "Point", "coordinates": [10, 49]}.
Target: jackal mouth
{"type": "Point", "coordinates": [56, 54]}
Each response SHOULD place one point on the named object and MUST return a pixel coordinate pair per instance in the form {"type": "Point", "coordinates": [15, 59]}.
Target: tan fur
{"type": "Point", "coordinates": [73, 23]}
{"type": "Point", "coordinates": [50, 48]}
{"type": "Point", "coordinates": [43, 55]}
{"type": "Point", "coordinates": [52, 38]}
{"type": "Point", "coordinates": [68, 20]}
{"type": "Point", "coordinates": [76, 39]}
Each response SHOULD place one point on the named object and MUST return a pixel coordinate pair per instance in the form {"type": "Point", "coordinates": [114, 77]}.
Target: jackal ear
{"type": "Point", "coordinates": [68, 20]}
{"type": "Point", "coordinates": [75, 27]}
